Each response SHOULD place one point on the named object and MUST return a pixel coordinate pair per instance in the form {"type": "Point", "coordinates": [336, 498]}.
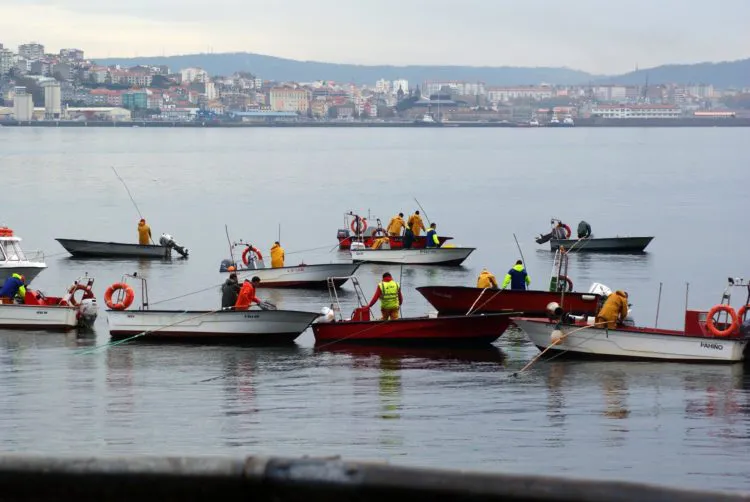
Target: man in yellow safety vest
{"type": "Point", "coordinates": [389, 294]}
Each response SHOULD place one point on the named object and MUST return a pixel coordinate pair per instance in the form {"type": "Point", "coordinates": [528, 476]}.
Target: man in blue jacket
{"type": "Point", "coordinates": [432, 238]}
{"type": "Point", "coordinates": [14, 286]}
{"type": "Point", "coordinates": [517, 277]}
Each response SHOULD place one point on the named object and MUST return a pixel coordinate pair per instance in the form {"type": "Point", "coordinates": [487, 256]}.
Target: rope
{"type": "Point", "coordinates": [475, 301]}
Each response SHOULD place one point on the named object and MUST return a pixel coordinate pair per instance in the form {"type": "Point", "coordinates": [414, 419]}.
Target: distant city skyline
{"type": "Point", "coordinates": [579, 34]}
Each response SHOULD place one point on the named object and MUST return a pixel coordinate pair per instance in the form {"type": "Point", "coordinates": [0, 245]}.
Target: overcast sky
{"type": "Point", "coordinates": [599, 36]}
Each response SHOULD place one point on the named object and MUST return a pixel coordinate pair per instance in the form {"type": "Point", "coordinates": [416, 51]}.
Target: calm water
{"type": "Point", "coordinates": [685, 425]}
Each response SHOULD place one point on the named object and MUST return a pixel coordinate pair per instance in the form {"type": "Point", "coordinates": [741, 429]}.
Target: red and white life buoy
{"type": "Point", "coordinates": [711, 325]}
{"type": "Point", "coordinates": [362, 224]}
{"type": "Point", "coordinates": [568, 231]}
{"type": "Point", "coordinates": [126, 302]}
{"type": "Point", "coordinates": [246, 252]}
{"type": "Point", "coordinates": [568, 283]}
{"type": "Point", "coordinates": [379, 232]}
{"type": "Point", "coordinates": [741, 313]}
{"type": "Point", "coordinates": [70, 298]}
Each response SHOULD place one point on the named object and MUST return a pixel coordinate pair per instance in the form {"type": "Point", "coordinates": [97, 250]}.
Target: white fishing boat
{"type": "Point", "coordinates": [41, 312]}
{"type": "Point", "coordinates": [14, 261]}
{"type": "Point", "coordinates": [703, 339]}
{"type": "Point", "coordinates": [300, 276]}
{"type": "Point", "coordinates": [240, 326]}
{"type": "Point", "coordinates": [428, 256]}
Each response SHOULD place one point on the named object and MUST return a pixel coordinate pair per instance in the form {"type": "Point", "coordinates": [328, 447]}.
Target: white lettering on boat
{"type": "Point", "coordinates": [714, 346]}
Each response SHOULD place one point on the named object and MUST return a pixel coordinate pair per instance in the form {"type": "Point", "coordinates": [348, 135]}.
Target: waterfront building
{"type": "Point", "coordinates": [31, 51]}
{"type": "Point", "coordinates": [285, 99]}
{"type": "Point", "coordinates": [52, 100]}
{"type": "Point", "coordinates": [23, 104]}
{"type": "Point", "coordinates": [636, 111]}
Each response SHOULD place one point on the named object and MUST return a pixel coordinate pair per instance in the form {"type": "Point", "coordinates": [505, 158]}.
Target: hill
{"type": "Point", "coordinates": [722, 75]}
{"type": "Point", "coordinates": [274, 68]}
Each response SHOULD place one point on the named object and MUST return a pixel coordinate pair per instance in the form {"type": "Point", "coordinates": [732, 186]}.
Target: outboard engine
{"type": "Point", "coordinates": [225, 264]}
{"type": "Point", "coordinates": [600, 289]}
{"type": "Point", "coordinates": [87, 312]}
{"type": "Point", "coordinates": [358, 246]}
{"type": "Point", "coordinates": [168, 241]}
{"type": "Point", "coordinates": [745, 328]}
{"type": "Point", "coordinates": [343, 233]}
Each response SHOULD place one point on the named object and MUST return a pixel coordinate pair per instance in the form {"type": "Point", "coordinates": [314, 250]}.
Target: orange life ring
{"type": "Point", "coordinates": [379, 232]}
{"type": "Point", "coordinates": [129, 296]}
{"type": "Point", "coordinates": [712, 326]}
{"type": "Point", "coordinates": [567, 280]}
{"type": "Point", "coordinates": [568, 231]}
{"type": "Point", "coordinates": [363, 225]}
{"type": "Point", "coordinates": [87, 294]}
{"type": "Point", "coordinates": [741, 313]}
{"type": "Point", "coordinates": [247, 250]}
{"type": "Point", "coordinates": [6, 232]}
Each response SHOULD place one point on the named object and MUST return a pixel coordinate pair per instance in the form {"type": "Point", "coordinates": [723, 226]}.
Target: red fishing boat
{"type": "Point", "coordinates": [358, 229]}
{"type": "Point", "coordinates": [361, 328]}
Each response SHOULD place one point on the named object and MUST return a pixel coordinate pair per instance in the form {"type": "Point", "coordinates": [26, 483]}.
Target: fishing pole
{"type": "Point", "coordinates": [131, 198]}
{"type": "Point", "coordinates": [423, 211]}
{"type": "Point", "coordinates": [525, 265]}
{"type": "Point", "coordinates": [229, 241]}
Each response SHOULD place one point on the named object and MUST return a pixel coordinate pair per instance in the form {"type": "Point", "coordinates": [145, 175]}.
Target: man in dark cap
{"type": "Point", "coordinates": [230, 290]}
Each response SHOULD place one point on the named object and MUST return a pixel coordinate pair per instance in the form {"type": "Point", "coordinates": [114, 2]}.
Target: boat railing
{"type": "Point", "coordinates": [333, 293]}
{"type": "Point", "coordinates": [144, 288]}
{"type": "Point", "coordinates": [34, 255]}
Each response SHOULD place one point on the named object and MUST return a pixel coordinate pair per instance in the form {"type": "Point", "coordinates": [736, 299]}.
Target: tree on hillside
{"type": "Point", "coordinates": [161, 82]}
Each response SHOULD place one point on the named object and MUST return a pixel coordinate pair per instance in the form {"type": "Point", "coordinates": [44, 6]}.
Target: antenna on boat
{"type": "Point", "coordinates": [229, 241]}
{"type": "Point", "coordinates": [687, 290]}
{"type": "Point", "coordinates": [658, 305]}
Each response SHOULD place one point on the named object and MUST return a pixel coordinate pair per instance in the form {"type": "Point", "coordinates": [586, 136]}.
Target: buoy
{"type": "Point", "coordinates": [554, 309]}
{"type": "Point", "coordinates": [556, 336]}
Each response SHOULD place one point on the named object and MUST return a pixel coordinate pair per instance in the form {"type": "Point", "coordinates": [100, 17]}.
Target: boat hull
{"type": "Point", "coordinates": [428, 256]}
{"type": "Point", "coordinates": [397, 242]}
{"type": "Point", "coordinates": [249, 326]}
{"type": "Point", "coordinates": [302, 276]}
{"type": "Point", "coordinates": [94, 249]}
{"type": "Point", "coordinates": [453, 330]}
{"type": "Point", "coordinates": [634, 343]}
{"type": "Point", "coordinates": [38, 317]}
{"type": "Point", "coordinates": [27, 269]}
{"type": "Point", "coordinates": [610, 245]}
{"type": "Point", "coordinates": [458, 300]}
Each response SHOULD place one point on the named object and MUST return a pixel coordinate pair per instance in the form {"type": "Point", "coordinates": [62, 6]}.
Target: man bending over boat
{"type": "Point", "coordinates": [614, 311]}
{"type": "Point", "coordinates": [389, 294]}
{"type": "Point", "coordinates": [396, 224]}
{"type": "Point", "coordinates": [230, 290]}
{"type": "Point", "coordinates": [486, 280]}
{"type": "Point", "coordinates": [14, 287]}
{"type": "Point", "coordinates": [247, 294]}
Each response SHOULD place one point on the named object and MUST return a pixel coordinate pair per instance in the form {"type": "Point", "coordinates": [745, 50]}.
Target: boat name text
{"type": "Point", "coordinates": [715, 346]}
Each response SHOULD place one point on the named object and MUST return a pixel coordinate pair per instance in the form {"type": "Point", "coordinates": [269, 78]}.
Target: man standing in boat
{"type": "Point", "coordinates": [517, 278]}
{"type": "Point", "coordinates": [432, 240]}
{"type": "Point", "coordinates": [247, 296]}
{"type": "Point", "coordinates": [396, 224]}
{"type": "Point", "coordinates": [144, 233]}
{"type": "Point", "coordinates": [230, 290]}
{"type": "Point", "coordinates": [277, 255]}
{"type": "Point", "coordinates": [389, 294]}
{"type": "Point", "coordinates": [14, 287]}
{"type": "Point", "coordinates": [416, 224]}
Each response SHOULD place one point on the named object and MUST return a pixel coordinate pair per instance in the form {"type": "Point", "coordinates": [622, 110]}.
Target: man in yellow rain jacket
{"type": "Point", "coordinates": [144, 233]}
{"type": "Point", "coordinates": [396, 224]}
{"type": "Point", "coordinates": [277, 255]}
{"type": "Point", "coordinates": [614, 311]}
{"type": "Point", "coordinates": [416, 224]}
{"type": "Point", "coordinates": [487, 280]}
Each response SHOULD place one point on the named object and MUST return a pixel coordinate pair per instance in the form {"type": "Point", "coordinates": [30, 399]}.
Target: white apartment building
{"type": "Point", "coordinates": [504, 94]}
{"type": "Point", "coordinates": [31, 51]}
{"type": "Point", "coordinates": [636, 111]}
{"type": "Point", "coordinates": [7, 60]}
{"type": "Point", "coordinates": [383, 86]}
{"type": "Point", "coordinates": [456, 87]}
{"type": "Point", "coordinates": [210, 93]}
{"type": "Point", "coordinates": [285, 99]}
{"type": "Point", "coordinates": [194, 75]}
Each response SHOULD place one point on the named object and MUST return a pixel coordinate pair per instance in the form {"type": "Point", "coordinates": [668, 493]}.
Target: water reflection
{"type": "Point", "coordinates": [417, 357]}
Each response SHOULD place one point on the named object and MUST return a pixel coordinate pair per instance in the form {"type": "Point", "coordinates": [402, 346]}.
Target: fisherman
{"type": "Point", "coordinates": [277, 255]}
{"type": "Point", "coordinates": [389, 294]}
{"type": "Point", "coordinates": [614, 311]}
{"type": "Point", "coordinates": [408, 240]}
{"type": "Point", "coordinates": [517, 277]}
{"type": "Point", "coordinates": [396, 224]}
{"type": "Point", "coordinates": [14, 287]}
{"type": "Point", "coordinates": [558, 232]}
{"type": "Point", "coordinates": [416, 224]}
{"type": "Point", "coordinates": [584, 230]}
{"type": "Point", "coordinates": [486, 280]}
{"type": "Point", "coordinates": [431, 238]}
{"type": "Point", "coordinates": [144, 233]}
{"type": "Point", "coordinates": [247, 296]}
{"type": "Point", "coordinates": [230, 290]}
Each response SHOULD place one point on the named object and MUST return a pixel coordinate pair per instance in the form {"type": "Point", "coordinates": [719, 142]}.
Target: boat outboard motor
{"type": "Point", "coordinates": [87, 312]}
{"type": "Point", "coordinates": [168, 241]}
{"type": "Point", "coordinates": [745, 328]}
{"type": "Point", "coordinates": [225, 264]}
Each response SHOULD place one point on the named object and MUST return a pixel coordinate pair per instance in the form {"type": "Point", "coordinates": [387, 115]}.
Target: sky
{"type": "Point", "coordinates": [598, 36]}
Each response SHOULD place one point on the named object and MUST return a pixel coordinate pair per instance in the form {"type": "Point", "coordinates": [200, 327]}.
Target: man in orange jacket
{"type": "Point", "coordinates": [247, 295]}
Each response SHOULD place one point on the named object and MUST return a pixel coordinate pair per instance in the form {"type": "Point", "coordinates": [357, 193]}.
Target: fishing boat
{"type": "Point", "coordinates": [452, 256]}
{"type": "Point", "coordinates": [227, 325]}
{"type": "Point", "coordinates": [427, 330]}
{"type": "Point", "coordinates": [358, 229]}
{"type": "Point", "coordinates": [593, 244]}
{"type": "Point", "coordinates": [702, 339]}
{"type": "Point", "coordinates": [14, 261]}
{"type": "Point", "coordinates": [300, 276]}
{"type": "Point", "coordinates": [97, 249]}
{"type": "Point", "coordinates": [41, 312]}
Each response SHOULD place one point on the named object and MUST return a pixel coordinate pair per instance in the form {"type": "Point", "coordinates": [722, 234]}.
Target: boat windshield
{"type": "Point", "coordinates": [12, 251]}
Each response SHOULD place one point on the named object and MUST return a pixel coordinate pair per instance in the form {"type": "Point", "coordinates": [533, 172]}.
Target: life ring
{"type": "Point", "coordinates": [568, 231]}
{"type": "Point", "coordinates": [379, 232]}
{"type": "Point", "coordinates": [70, 297]}
{"type": "Point", "coordinates": [247, 250]}
{"type": "Point", "coordinates": [363, 225]}
{"type": "Point", "coordinates": [129, 296]}
{"type": "Point", "coordinates": [568, 283]}
{"type": "Point", "coordinates": [712, 326]}
{"type": "Point", "coordinates": [741, 313]}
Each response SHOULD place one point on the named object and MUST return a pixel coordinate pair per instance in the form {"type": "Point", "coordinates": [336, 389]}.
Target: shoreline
{"type": "Point", "coordinates": [701, 122]}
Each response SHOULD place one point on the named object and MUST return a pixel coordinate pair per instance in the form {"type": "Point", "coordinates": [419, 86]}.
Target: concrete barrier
{"type": "Point", "coordinates": [27, 478]}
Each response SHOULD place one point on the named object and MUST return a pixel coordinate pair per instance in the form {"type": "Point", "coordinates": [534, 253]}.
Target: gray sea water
{"type": "Point", "coordinates": [683, 425]}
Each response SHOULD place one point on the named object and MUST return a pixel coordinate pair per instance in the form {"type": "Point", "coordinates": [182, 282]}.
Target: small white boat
{"type": "Point", "coordinates": [238, 326]}
{"type": "Point", "coordinates": [697, 342]}
{"type": "Point", "coordinates": [41, 312]}
{"type": "Point", "coordinates": [301, 276]}
{"type": "Point", "coordinates": [428, 256]}
{"type": "Point", "coordinates": [14, 261]}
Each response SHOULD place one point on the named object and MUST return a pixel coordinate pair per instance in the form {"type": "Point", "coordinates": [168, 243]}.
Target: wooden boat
{"type": "Point", "coordinates": [97, 249]}
{"type": "Point", "coordinates": [300, 276]}
{"type": "Point", "coordinates": [238, 326]}
{"type": "Point", "coordinates": [451, 300]}
{"type": "Point", "coordinates": [428, 256]}
{"type": "Point", "coordinates": [41, 312]}
{"type": "Point", "coordinates": [14, 261]}
{"type": "Point", "coordinates": [428, 330]}
{"type": "Point", "coordinates": [698, 341]}
{"type": "Point", "coordinates": [597, 245]}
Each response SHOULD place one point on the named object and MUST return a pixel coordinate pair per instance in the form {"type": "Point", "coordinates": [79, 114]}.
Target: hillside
{"type": "Point", "coordinates": [722, 75]}
{"type": "Point", "coordinates": [273, 68]}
